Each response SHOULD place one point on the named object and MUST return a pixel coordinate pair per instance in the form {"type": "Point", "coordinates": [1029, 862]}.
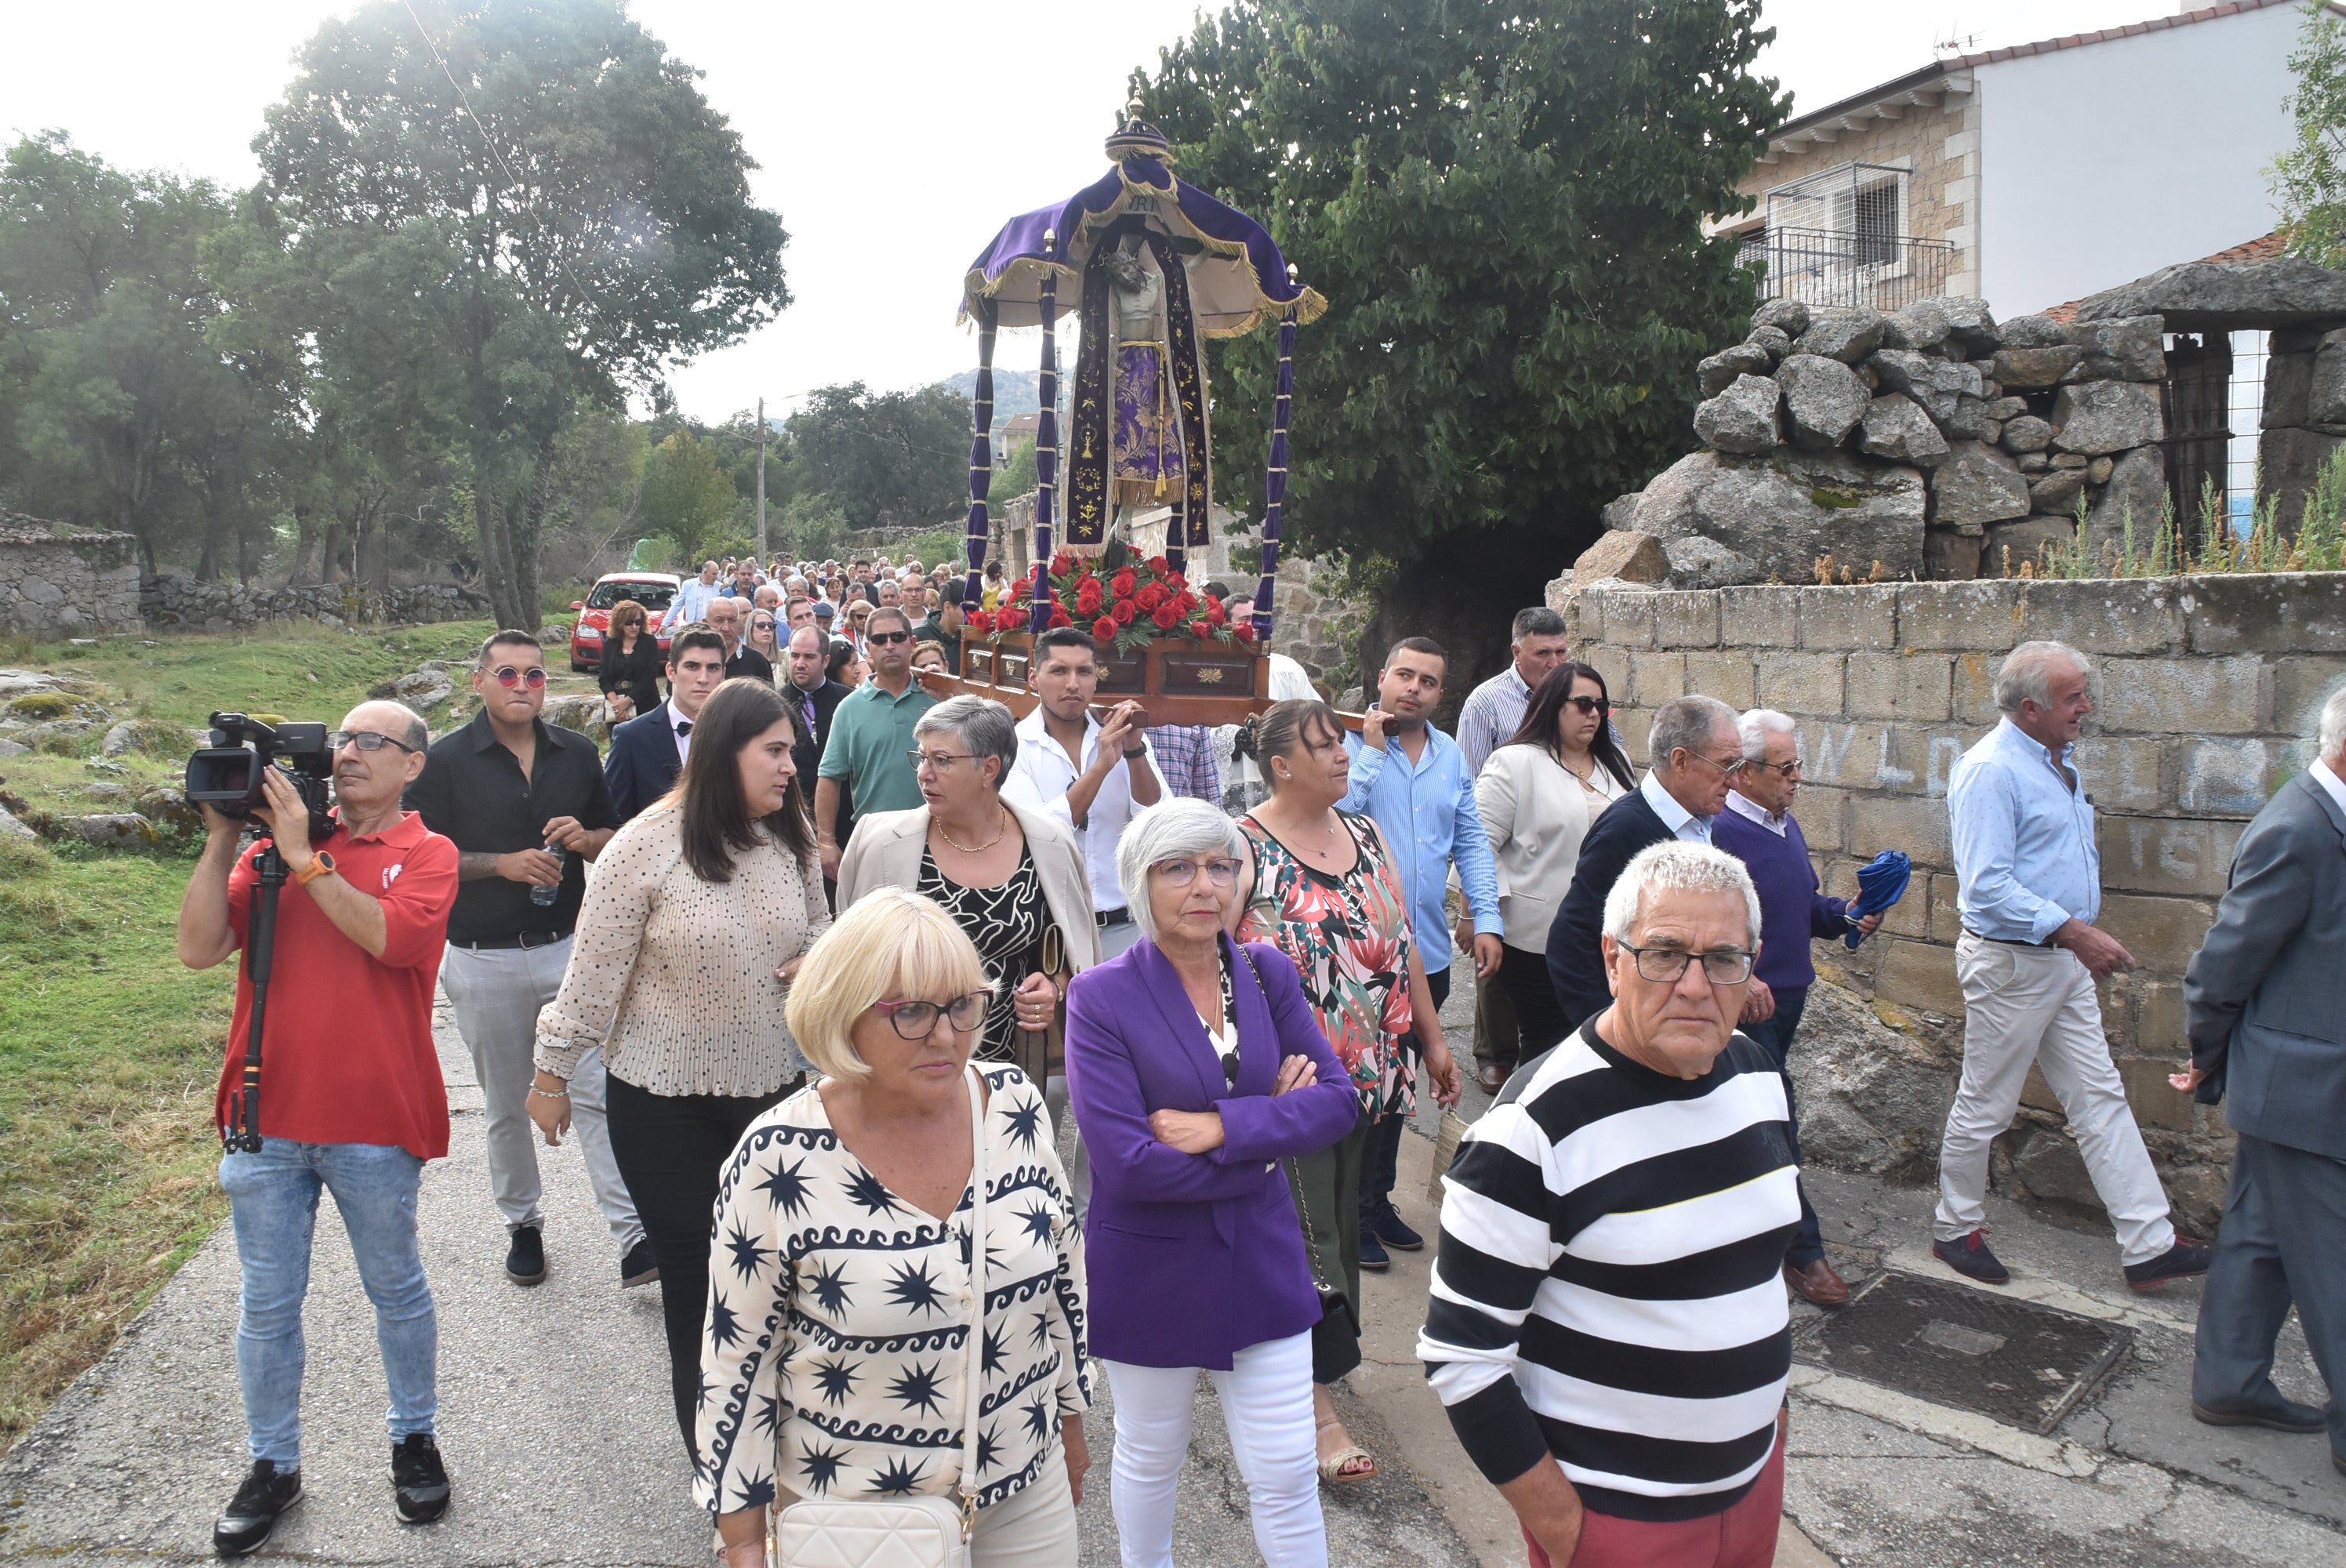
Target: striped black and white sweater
{"type": "Point", "coordinates": [1608, 1286]}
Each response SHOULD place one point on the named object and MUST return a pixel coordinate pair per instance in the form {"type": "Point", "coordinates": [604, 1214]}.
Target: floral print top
{"type": "Point", "coordinates": [1348, 936]}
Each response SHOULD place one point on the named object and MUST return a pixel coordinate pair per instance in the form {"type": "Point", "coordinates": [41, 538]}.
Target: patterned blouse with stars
{"type": "Point", "coordinates": [838, 1311]}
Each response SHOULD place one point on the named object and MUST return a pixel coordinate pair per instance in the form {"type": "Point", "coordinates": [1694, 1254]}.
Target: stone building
{"type": "Point", "coordinates": [55, 579]}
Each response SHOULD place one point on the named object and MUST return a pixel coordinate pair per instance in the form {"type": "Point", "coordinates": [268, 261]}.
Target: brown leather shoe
{"type": "Point", "coordinates": [1490, 1077]}
{"type": "Point", "coordinates": [1818, 1283]}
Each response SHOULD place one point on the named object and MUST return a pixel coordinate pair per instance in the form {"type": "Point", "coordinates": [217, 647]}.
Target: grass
{"type": "Point", "coordinates": [2160, 546]}
{"type": "Point", "coordinates": [109, 1053]}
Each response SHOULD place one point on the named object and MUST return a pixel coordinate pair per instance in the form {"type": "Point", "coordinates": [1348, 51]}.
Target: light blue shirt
{"type": "Point", "coordinates": [2023, 840]}
{"type": "Point", "coordinates": [692, 601]}
{"type": "Point", "coordinates": [1426, 812]}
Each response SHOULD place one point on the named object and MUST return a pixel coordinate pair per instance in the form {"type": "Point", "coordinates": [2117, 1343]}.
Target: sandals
{"type": "Point", "coordinates": [1347, 1465]}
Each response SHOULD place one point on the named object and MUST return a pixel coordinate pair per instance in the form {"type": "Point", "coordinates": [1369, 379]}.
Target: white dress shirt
{"type": "Point", "coordinates": [1681, 822]}
{"type": "Point", "coordinates": [1040, 777]}
{"type": "Point", "coordinates": [2331, 781]}
{"type": "Point", "coordinates": [1742, 806]}
{"type": "Point", "coordinates": [681, 727]}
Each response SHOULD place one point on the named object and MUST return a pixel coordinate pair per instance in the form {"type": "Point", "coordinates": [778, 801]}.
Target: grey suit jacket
{"type": "Point", "coordinates": [2263, 995]}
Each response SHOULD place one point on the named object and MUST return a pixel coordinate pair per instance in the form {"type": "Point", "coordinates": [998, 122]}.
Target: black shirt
{"type": "Point", "coordinates": [636, 675]}
{"type": "Point", "coordinates": [471, 791]}
{"type": "Point", "coordinates": [750, 662]}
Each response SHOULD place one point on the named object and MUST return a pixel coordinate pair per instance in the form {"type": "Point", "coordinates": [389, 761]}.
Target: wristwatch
{"type": "Point", "coordinates": [1141, 750]}
{"type": "Point", "coordinates": [319, 864]}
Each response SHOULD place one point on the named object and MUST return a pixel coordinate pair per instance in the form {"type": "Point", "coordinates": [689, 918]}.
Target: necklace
{"type": "Point", "coordinates": [977, 848]}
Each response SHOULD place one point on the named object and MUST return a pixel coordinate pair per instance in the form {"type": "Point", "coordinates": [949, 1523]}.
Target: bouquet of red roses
{"type": "Point", "coordinates": [1126, 608]}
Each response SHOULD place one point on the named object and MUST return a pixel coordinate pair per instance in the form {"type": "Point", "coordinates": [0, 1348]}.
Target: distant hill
{"type": "Point", "coordinates": [1014, 392]}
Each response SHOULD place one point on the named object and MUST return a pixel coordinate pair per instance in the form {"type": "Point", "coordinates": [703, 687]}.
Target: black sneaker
{"type": "Point", "coordinates": [2187, 1257]}
{"type": "Point", "coordinates": [1395, 1231]}
{"type": "Point", "coordinates": [638, 1267]}
{"type": "Point", "coordinates": [526, 1260]}
{"type": "Point", "coordinates": [419, 1482]}
{"type": "Point", "coordinates": [1373, 1256]}
{"type": "Point", "coordinates": [1969, 1256]}
{"type": "Point", "coordinates": [253, 1511]}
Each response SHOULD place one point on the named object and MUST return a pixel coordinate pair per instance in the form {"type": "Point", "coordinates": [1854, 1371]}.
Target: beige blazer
{"type": "Point", "coordinates": [1535, 814]}
{"type": "Point", "coordinates": [884, 851]}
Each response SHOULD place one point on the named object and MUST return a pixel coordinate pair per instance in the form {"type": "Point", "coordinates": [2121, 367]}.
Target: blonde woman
{"type": "Point", "coordinates": [839, 1304]}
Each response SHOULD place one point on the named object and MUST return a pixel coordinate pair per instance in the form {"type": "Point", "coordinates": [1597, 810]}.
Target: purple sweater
{"type": "Point", "coordinates": [1792, 908]}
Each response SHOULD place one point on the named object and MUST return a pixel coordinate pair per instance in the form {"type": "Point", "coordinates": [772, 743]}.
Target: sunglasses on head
{"type": "Point", "coordinates": [533, 677]}
{"type": "Point", "coordinates": [885, 638]}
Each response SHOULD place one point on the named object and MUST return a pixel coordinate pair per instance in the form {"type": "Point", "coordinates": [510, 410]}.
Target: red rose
{"type": "Point", "coordinates": [1123, 583]}
{"type": "Point", "coordinates": [1187, 603]}
{"type": "Point", "coordinates": [1061, 618]}
{"type": "Point", "coordinates": [1105, 628]}
{"type": "Point", "coordinates": [975, 620]}
{"type": "Point", "coordinates": [1200, 630]}
{"type": "Point", "coordinates": [1215, 613]}
{"type": "Point", "coordinates": [1062, 564]}
{"type": "Point", "coordinates": [1121, 612]}
{"type": "Point", "coordinates": [1176, 581]}
{"type": "Point", "coordinates": [1166, 616]}
{"type": "Point", "coordinates": [1159, 565]}
{"type": "Point", "coordinates": [1022, 589]}
{"type": "Point", "coordinates": [1244, 631]}
{"type": "Point", "coordinates": [1149, 596]}
{"type": "Point", "coordinates": [1091, 596]}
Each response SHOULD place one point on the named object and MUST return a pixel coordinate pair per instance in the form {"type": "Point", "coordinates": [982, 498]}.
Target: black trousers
{"type": "Point", "coordinates": [671, 1150]}
{"type": "Point", "coordinates": [1539, 1016]}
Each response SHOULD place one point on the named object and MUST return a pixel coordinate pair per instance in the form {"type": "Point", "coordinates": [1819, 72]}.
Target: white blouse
{"type": "Point", "coordinates": [1535, 811]}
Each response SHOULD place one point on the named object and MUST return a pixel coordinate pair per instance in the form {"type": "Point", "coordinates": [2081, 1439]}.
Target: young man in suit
{"type": "Point", "coordinates": [648, 752]}
{"type": "Point", "coordinates": [1695, 753]}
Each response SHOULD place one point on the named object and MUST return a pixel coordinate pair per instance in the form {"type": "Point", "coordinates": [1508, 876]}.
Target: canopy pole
{"type": "Point", "coordinates": [1046, 436]}
{"type": "Point", "coordinates": [1275, 477]}
{"type": "Point", "coordinates": [979, 534]}
{"type": "Point", "coordinates": [1177, 528]}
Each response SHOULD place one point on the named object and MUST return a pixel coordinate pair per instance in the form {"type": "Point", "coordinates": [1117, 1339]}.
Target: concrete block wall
{"type": "Point", "coordinates": [2207, 695]}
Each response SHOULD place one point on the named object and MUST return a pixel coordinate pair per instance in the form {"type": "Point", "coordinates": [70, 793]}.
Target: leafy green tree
{"type": "Point", "coordinates": [686, 496]}
{"type": "Point", "coordinates": [1503, 204]}
{"type": "Point", "coordinates": [2310, 178]}
{"type": "Point", "coordinates": [884, 458]}
{"type": "Point", "coordinates": [1015, 475]}
{"type": "Point", "coordinates": [508, 211]}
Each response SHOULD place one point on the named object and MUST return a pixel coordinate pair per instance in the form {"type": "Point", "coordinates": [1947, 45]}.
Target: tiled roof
{"type": "Point", "coordinates": [2263, 248]}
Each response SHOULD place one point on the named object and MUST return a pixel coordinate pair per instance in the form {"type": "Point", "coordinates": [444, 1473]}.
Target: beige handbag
{"type": "Point", "coordinates": [907, 1531]}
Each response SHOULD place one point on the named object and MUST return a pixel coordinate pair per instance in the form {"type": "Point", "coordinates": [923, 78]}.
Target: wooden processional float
{"type": "Point", "coordinates": [1151, 266]}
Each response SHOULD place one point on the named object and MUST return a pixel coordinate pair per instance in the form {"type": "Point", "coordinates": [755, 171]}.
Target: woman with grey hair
{"type": "Point", "coordinates": [1195, 1068]}
{"type": "Point", "coordinates": [1012, 878]}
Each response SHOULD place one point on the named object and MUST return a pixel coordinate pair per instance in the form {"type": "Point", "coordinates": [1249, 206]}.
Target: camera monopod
{"type": "Point", "coordinates": [243, 1131]}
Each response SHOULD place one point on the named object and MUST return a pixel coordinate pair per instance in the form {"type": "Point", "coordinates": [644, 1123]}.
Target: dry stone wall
{"type": "Point", "coordinates": [2208, 691]}
{"type": "Point", "coordinates": [56, 580]}
{"type": "Point", "coordinates": [173, 599]}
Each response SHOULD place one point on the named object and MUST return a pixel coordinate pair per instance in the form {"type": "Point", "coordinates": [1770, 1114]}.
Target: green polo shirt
{"type": "Point", "coordinates": [870, 735]}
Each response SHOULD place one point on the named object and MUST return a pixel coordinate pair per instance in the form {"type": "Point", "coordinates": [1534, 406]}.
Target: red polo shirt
{"type": "Point", "coordinates": [346, 1053]}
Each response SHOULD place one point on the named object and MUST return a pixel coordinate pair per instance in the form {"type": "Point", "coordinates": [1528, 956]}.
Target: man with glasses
{"type": "Point", "coordinates": [648, 751]}
{"type": "Point", "coordinates": [1758, 828]}
{"type": "Point", "coordinates": [1696, 753]}
{"type": "Point", "coordinates": [526, 803]}
{"type": "Point", "coordinates": [1606, 1329]}
{"type": "Point", "coordinates": [725, 618]}
{"type": "Point", "coordinates": [871, 734]}
{"type": "Point", "coordinates": [352, 1101]}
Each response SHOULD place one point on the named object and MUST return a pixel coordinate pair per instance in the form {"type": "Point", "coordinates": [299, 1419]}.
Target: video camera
{"type": "Point", "coordinates": [227, 774]}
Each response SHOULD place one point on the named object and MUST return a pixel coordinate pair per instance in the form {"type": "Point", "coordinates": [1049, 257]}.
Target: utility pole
{"type": "Point", "coordinates": [764, 556]}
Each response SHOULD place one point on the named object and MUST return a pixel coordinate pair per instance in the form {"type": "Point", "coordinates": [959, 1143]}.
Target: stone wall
{"type": "Point", "coordinates": [2207, 693]}
{"type": "Point", "coordinates": [59, 580]}
{"type": "Point", "coordinates": [173, 599]}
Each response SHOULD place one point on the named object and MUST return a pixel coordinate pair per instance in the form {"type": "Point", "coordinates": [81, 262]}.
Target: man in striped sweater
{"type": "Point", "coordinates": [1609, 1326]}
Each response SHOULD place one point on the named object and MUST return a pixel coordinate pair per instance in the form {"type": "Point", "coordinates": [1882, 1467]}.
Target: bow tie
{"type": "Point", "coordinates": [683, 727]}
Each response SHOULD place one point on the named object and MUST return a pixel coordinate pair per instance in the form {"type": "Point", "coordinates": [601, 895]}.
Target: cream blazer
{"type": "Point", "coordinates": [884, 851]}
{"type": "Point", "coordinates": [1535, 814]}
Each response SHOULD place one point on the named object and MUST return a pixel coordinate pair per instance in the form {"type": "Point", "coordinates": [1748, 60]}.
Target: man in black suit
{"type": "Point", "coordinates": [813, 696]}
{"type": "Point", "coordinates": [727, 618]}
{"type": "Point", "coordinates": [648, 752]}
{"type": "Point", "coordinates": [1695, 752]}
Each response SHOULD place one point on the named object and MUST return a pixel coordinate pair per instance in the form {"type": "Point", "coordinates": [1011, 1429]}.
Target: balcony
{"type": "Point", "coordinates": [1848, 267]}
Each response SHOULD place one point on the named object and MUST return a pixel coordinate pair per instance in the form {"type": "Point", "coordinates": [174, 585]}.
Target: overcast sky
{"type": "Point", "coordinates": [868, 119]}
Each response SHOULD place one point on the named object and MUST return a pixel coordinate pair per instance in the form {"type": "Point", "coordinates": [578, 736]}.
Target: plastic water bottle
{"type": "Point", "coordinates": [543, 894]}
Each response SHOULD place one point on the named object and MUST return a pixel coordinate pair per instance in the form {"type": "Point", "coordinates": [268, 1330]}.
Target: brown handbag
{"type": "Point", "coordinates": [1042, 1054]}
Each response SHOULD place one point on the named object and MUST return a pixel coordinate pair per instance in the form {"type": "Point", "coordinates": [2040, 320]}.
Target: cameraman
{"type": "Point", "coordinates": [351, 1098]}
{"type": "Point", "coordinates": [526, 804]}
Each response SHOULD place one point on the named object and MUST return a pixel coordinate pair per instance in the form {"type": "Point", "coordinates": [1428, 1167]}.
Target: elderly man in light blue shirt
{"type": "Point", "coordinates": [1414, 781]}
{"type": "Point", "coordinates": [2030, 889]}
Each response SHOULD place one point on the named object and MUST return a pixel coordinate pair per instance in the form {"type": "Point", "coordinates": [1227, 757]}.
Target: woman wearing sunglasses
{"type": "Point", "coordinates": [761, 636]}
{"type": "Point", "coordinates": [1538, 794]}
{"type": "Point", "coordinates": [839, 1320]}
{"type": "Point", "coordinates": [1197, 1069]}
{"type": "Point", "coordinates": [632, 664]}
{"type": "Point", "coordinates": [699, 911]}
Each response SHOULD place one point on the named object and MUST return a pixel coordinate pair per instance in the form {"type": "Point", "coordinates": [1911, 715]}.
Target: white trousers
{"type": "Point", "coordinates": [2024, 1005]}
{"type": "Point", "coordinates": [1267, 1408]}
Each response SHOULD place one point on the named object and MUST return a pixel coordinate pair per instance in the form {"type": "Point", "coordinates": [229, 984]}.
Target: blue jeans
{"type": "Point", "coordinates": [273, 1204]}
{"type": "Point", "coordinates": [1776, 1035]}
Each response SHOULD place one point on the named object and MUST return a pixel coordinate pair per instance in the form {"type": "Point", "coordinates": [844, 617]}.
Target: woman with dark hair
{"type": "Point", "coordinates": [1539, 794]}
{"type": "Point", "coordinates": [698, 914]}
{"type": "Point", "coordinates": [845, 664]}
{"type": "Point", "coordinates": [629, 670]}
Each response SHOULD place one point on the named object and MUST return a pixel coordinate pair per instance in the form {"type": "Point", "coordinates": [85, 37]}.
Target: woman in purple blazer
{"type": "Point", "coordinates": [1194, 1067]}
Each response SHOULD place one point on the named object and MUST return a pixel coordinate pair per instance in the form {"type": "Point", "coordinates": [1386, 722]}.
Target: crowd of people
{"type": "Point", "coordinates": [815, 965]}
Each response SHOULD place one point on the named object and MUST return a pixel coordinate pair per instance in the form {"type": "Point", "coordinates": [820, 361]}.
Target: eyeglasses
{"type": "Point", "coordinates": [1590, 704]}
{"type": "Point", "coordinates": [918, 1020]}
{"type": "Point", "coordinates": [1729, 768]}
{"type": "Point", "coordinates": [939, 760]}
{"type": "Point", "coordinates": [1788, 769]}
{"type": "Point", "coordinates": [531, 677]}
{"type": "Point", "coordinates": [364, 739]}
{"type": "Point", "coordinates": [1181, 873]}
{"type": "Point", "coordinates": [1668, 966]}
{"type": "Point", "coordinates": [881, 640]}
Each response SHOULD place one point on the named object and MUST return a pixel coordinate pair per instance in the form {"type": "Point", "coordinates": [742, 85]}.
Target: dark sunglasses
{"type": "Point", "coordinates": [533, 677]}
{"type": "Point", "coordinates": [885, 637]}
{"type": "Point", "coordinates": [364, 739]}
{"type": "Point", "coordinates": [1590, 704]}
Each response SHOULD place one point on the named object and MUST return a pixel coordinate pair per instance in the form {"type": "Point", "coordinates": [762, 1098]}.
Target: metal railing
{"type": "Point", "coordinates": [1844, 266]}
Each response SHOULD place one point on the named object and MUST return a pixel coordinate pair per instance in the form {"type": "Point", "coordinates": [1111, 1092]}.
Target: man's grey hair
{"type": "Point", "coordinates": [409, 730]}
{"type": "Point", "coordinates": [2333, 723]}
{"type": "Point", "coordinates": [1685, 721]}
{"type": "Point", "coordinates": [1539, 621]}
{"type": "Point", "coordinates": [1758, 725]}
{"type": "Point", "coordinates": [2026, 673]}
{"type": "Point", "coordinates": [1169, 831]}
{"type": "Point", "coordinates": [983, 726]}
{"type": "Point", "coordinates": [1674, 865]}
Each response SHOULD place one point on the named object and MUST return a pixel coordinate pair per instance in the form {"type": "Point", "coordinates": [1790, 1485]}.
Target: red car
{"type": "Point", "coordinates": [653, 590]}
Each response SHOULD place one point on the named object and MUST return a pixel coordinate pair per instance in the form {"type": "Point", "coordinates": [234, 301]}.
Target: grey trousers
{"type": "Point", "coordinates": [2284, 1240]}
{"type": "Point", "coordinates": [497, 994]}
